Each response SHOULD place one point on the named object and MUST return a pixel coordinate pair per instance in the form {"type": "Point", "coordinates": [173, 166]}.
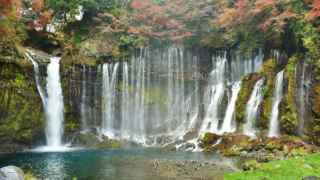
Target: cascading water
{"type": "Point", "coordinates": [150, 95]}
{"type": "Point", "coordinates": [252, 109]}
{"type": "Point", "coordinates": [109, 90]}
{"type": "Point", "coordinates": [54, 104]}
{"type": "Point", "coordinates": [223, 74]}
{"type": "Point", "coordinates": [274, 122]}
{"type": "Point", "coordinates": [157, 93]}
{"type": "Point", "coordinates": [227, 122]}
{"type": "Point", "coordinates": [83, 100]}
{"type": "Point", "coordinates": [36, 72]}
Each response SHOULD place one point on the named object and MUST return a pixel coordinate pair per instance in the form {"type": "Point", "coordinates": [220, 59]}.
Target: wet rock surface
{"type": "Point", "coordinates": [189, 169]}
{"type": "Point", "coordinates": [92, 138]}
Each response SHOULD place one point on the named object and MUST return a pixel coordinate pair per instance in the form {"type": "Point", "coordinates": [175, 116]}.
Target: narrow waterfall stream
{"type": "Point", "coordinates": [84, 100]}
{"type": "Point", "coordinates": [252, 109]}
{"type": "Point", "coordinates": [227, 122]}
{"type": "Point", "coordinates": [274, 120]}
{"type": "Point", "coordinates": [54, 105]}
{"type": "Point", "coordinates": [36, 72]}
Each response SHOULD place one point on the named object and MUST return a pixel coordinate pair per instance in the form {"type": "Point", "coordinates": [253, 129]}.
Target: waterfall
{"type": "Point", "coordinates": [274, 122]}
{"type": "Point", "coordinates": [83, 99]}
{"type": "Point", "coordinates": [36, 72]}
{"type": "Point", "coordinates": [216, 92]}
{"type": "Point", "coordinates": [109, 89]}
{"type": "Point", "coordinates": [54, 104]}
{"type": "Point", "coordinates": [157, 97]}
{"type": "Point", "coordinates": [225, 73]}
{"type": "Point", "coordinates": [125, 99]}
{"type": "Point", "coordinates": [227, 122]}
{"type": "Point", "coordinates": [252, 109]}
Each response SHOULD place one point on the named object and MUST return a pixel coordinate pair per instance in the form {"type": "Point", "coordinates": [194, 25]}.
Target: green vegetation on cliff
{"type": "Point", "coordinates": [269, 71]}
{"type": "Point", "coordinates": [20, 108]}
{"type": "Point", "coordinates": [288, 113]}
{"type": "Point", "coordinates": [241, 102]}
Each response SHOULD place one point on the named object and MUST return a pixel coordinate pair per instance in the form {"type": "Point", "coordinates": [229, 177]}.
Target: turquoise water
{"type": "Point", "coordinates": [86, 164]}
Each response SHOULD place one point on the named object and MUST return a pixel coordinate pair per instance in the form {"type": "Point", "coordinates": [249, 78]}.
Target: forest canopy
{"type": "Point", "coordinates": [249, 24]}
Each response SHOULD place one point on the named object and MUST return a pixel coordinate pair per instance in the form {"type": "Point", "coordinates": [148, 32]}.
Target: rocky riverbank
{"type": "Point", "coordinates": [189, 169]}
{"type": "Point", "coordinates": [262, 148]}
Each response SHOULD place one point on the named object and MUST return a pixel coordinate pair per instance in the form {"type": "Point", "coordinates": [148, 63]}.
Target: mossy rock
{"type": "Point", "coordinates": [210, 138]}
{"type": "Point", "coordinates": [172, 148]}
{"type": "Point", "coordinates": [109, 144]}
{"type": "Point", "coordinates": [229, 152]}
{"type": "Point", "coordinates": [190, 145]}
{"type": "Point", "coordinates": [249, 165]}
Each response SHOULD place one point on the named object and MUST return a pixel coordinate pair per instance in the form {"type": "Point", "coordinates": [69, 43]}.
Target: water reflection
{"type": "Point", "coordinates": [132, 163]}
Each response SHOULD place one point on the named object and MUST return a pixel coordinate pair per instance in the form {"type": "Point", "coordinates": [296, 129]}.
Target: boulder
{"type": "Point", "coordinates": [243, 153]}
{"type": "Point", "coordinates": [11, 173]}
{"type": "Point", "coordinates": [249, 164]}
{"type": "Point", "coordinates": [307, 166]}
{"type": "Point", "coordinates": [190, 145]}
{"type": "Point", "coordinates": [172, 148]}
{"type": "Point", "coordinates": [277, 166]}
{"type": "Point", "coordinates": [280, 154]}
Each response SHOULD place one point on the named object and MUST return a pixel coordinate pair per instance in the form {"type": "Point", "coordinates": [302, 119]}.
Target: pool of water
{"type": "Point", "coordinates": [87, 164]}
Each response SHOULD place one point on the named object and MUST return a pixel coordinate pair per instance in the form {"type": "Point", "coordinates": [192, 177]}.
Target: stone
{"type": "Point", "coordinates": [190, 145]}
{"type": "Point", "coordinates": [11, 173]}
{"type": "Point", "coordinates": [172, 148]}
{"type": "Point", "coordinates": [311, 178]}
{"type": "Point", "coordinates": [277, 166]}
{"type": "Point", "coordinates": [280, 154]}
{"type": "Point", "coordinates": [285, 147]}
{"type": "Point", "coordinates": [307, 166]}
{"type": "Point", "coordinates": [243, 153]}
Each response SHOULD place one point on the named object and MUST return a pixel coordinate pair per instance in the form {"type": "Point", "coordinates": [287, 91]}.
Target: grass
{"type": "Point", "coordinates": [29, 176]}
{"type": "Point", "coordinates": [290, 169]}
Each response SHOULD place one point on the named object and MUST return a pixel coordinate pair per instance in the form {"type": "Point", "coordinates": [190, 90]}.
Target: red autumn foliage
{"type": "Point", "coordinates": [315, 11]}
{"type": "Point", "coordinates": [5, 6]}
{"type": "Point", "coordinates": [155, 22]}
{"type": "Point", "coordinates": [43, 18]}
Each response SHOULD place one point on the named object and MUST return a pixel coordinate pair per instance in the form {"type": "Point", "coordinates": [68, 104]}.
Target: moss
{"type": "Point", "coordinates": [242, 99]}
{"type": "Point", "coordinates": [289, 120]}
{"type": "Point", "coordinates": [110, 144]}
{"type": "Point", "coordinates": [299, 152]}
{"type": "Point", "coordinates": [29, 176]}
{"type": "Point", "coordinates": [289, 169]}
{"type": "Point", "coordinates": [250, 163]}
{"type": "Point", "coordinates": [172, 148]}
{"type": "Point", "coordinates": [271, 145]}
{"type": "Point", "coordinates": [21, 116]}
{"type": "Point", "coordinates": [209, 138]}
{"type": "Point", "coordinates": [70, 126]}
{"type": "Point", "coordinates": [316, 108]}
{"type": "Point", "coordinates": [229, 152]}
{"type": "Point", "coordinates": [315, 129]}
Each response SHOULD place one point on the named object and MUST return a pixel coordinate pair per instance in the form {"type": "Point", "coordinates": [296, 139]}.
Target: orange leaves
{"type": "Point", "coordinates": [315, 11]}
{"type": "Point", "coordinates": [175, 38]}
{"type": "Point", "coordinates": [36, 5]}
{"type": "Point", "coordinates": [5, 6]}
{"type": "Point", "coordinates": [43, 18]}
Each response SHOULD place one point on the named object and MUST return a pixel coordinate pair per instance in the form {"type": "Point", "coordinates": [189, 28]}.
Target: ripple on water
{"type": "Point", "coordinates": [130, 163]}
